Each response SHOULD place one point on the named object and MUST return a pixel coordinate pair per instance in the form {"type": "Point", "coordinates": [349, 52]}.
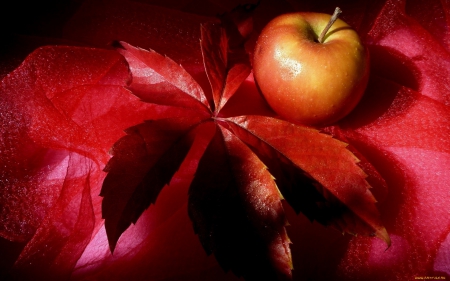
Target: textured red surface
{"type": "Point", "coordinates": [63, 108]}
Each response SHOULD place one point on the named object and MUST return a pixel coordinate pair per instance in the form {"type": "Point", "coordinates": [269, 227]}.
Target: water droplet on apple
{"type": "Point", "coordinates": [290, 67]}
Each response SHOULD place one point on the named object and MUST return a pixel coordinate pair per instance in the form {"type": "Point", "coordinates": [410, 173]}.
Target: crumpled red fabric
{"type": "Point", "coordinates": [63, 107]}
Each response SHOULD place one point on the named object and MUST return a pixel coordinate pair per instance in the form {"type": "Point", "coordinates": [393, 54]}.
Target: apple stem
{"type": "Point", "coordinates": [334, 17]}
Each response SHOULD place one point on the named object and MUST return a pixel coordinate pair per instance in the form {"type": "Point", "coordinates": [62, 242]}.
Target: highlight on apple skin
{"type": "Point", "coordinates": [307, 81]}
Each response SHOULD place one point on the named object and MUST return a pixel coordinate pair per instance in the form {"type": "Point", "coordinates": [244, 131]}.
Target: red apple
{"type": "Point", "coordinates": [308, 79]}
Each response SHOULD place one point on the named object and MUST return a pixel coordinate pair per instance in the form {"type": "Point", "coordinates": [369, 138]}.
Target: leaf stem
{"type": "Point", "coordinates": [334, 17]}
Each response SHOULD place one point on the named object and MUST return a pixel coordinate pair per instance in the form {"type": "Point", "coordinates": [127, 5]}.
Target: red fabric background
{"type": "Point", "coordinates": [62, 108]}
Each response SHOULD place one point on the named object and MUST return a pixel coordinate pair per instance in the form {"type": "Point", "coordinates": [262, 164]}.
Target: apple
{"type": "Point", "coordinates": [312, 68]}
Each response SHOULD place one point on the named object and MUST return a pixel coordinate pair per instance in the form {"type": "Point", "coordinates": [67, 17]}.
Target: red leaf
{"type": "Point", "coordinates": [236, 75]}
{"type": "Point", "coordinates": [143, 162]}
{"type": "Point", "coordinates": [235, 204]}
{"type": "Point", "coordinates": [225, 73]}
{"type": "Point", "coordinates": [158, 79]}
{"type": "Point", "coordinates": [375, 180]}
{"type": "Point", "coordinates": [215, 57]}
{"type": "Point", "coordinates": [325, 160]}
{"type": "Point", "coordinates": [236, 210]}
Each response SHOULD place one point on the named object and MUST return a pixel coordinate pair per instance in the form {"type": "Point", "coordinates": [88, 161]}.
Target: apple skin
{"type": "Point", "coordinates": [306, 81]}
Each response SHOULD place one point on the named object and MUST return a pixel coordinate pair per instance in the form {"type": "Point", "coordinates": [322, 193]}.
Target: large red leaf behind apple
{"type": "Point", "coordinates": [234, 200]}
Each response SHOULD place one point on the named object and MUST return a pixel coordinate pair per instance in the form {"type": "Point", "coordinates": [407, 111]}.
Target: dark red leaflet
{"type": "Point", "coordinates": [167, 82]}
{"type": "Point", "coordinates": [325, 160]}
{"type": "Point", "coordinates": [376, 181]}
{"type": "Point", "coordinates": [226, 68]}
{"type": "Point", "coordinates": [215, 58]}
{"type": "Point", "coordinates": [236, 75]}
{"type": "Point", "coordinates": [143, 162]}
{"type": "Point", "coordinates": [236, 210]}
